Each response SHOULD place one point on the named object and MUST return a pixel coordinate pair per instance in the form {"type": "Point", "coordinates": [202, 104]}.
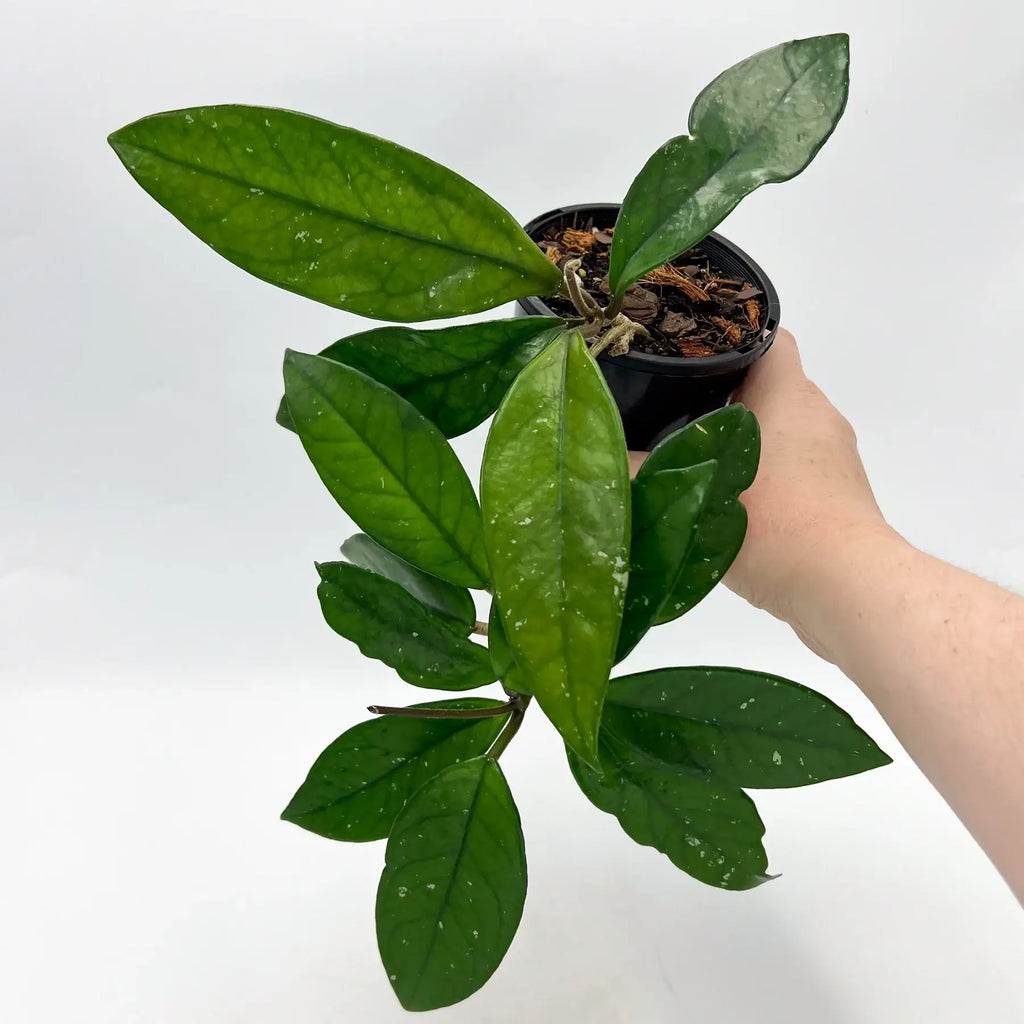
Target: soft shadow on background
{"type": "Point", "coordinates": [165, 675]}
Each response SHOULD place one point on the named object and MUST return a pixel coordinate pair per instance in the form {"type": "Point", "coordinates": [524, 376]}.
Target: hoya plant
{"type": "Point", "coordinates": [569, 562]}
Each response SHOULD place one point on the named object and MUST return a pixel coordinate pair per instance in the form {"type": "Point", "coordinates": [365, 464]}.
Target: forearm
{"type": "Point", "coordinates": [940, 653]}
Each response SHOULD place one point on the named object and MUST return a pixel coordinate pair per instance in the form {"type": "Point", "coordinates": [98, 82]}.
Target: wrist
{"type": "Point", "coordinates": [832, 583]}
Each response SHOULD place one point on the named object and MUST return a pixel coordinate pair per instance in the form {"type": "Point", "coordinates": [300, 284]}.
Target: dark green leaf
{"type": "Point", "coordinates": [333, 214]}
{"type": "Point", "coordinates": [389, 624]}
{"type": "Point", "coordinates": [455, 376]}
{"type": "Point", "coordinates": [388, 467]}
{"type": "Point", "coordinates": [730, 436]}
{"type": "Point", "coordinates": [502, 659]}
{"type": "Point", "coordinates": [455, 603]}
{"type": "Point", "coordinates": [761, 121]}
{"type": "Point", "coordinates": [454, 883]}
{"type": "Point", "coordinates": [740, 728]}
{"type": "Point", "coordinates": [712, 832]}
{"type": "Point", "coordinates": [666, 511]}
{"type": "Point", "coordinates": [358, 785]}
{"type": "Point", "coordinates": [555, 497]}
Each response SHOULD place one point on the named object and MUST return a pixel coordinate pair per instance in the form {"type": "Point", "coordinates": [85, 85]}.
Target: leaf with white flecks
{"type": "Point", "coordinates": [453, 888]}
{"type": "Point", "coordinates": [334, 214]}
{"type": "Point", "coordinates": [359, 784]}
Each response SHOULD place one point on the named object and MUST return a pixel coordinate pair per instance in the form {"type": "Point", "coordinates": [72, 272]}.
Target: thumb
{"type": "Point", "coordinates": [779, 368]}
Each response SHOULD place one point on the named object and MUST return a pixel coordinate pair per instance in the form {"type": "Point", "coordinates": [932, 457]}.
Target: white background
{"type": "Point", "coordinates": [166, 675]}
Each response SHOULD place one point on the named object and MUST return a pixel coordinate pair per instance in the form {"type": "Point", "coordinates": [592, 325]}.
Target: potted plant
{"type": "Point", "coordinates": [572, 563]}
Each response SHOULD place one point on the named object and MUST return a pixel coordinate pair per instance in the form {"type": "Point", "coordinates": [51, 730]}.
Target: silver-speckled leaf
{"type": "Point", "coordinates": [555, 504]}
{"type": "Point", "coordinates": [736, 727]}
{"type": "Point", "coordinates": [451, 895]}
{"type": "Point", "coordinates": [332, 213]}
{"type": "Point", "coordinates": [761, 121]}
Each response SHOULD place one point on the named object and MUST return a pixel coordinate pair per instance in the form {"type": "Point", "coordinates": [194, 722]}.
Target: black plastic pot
{"type": "Point", "coordinates": [659, 394]}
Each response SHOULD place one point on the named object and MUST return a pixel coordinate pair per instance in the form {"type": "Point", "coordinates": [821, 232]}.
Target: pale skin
{"type": "Point", "coordinates": [938, 651]}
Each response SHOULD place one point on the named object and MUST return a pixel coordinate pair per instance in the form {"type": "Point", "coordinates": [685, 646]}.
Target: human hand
{"type": "Point", "coordinates": [811, 492]}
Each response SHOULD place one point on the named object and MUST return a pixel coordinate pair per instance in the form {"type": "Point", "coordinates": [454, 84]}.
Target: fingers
{"type": "Point", "coordinates": [636, 460]}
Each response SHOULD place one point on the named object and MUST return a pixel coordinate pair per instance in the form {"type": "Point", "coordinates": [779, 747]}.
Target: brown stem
{"type": "Point", "coordinates": [491, 712]}
{"type": "Point", "coordinates": [480, 628]}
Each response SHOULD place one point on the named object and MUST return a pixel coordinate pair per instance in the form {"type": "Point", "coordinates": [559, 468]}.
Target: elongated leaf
{"type": "Point", "coordinates": [389, 624]}
{"type": "Point", "coordinates": [359, 784]}
{"type": "Point", "coordinates": [454, 883]}
{"type": "Point", "coordinates": [502, 659]}
{"type": "Point", "coordinates": [742, 728]}
{"type": "Point", "coordinates": [729, 436]}
{"type": "Point", "coordinates": [454, 603]}
{"type": "Point", "coordinates": [555, 497]}
{"type": "Point", "coordinates": [666, 512]}
{"type": "Point", "coordinates": [333, 214]}
{"type": "Point", "coordinates": [388, 467]}
{"type": "Point", "coordinates": [455, 376]}
{"type": "Point", "coordinates": [761, 121]}
{"type": "Point", "coordinates": [712, 832]}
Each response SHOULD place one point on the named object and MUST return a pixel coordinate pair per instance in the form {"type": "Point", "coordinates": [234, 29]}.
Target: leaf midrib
{"type": "Point", "coordinates": [336, 214]}
{"type": "Point", "coordinates": [767, 732]}
{"type": "Point", "coordinates": [455, 869]}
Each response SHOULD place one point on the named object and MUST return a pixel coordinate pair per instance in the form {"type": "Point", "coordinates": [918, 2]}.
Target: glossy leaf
{"type": "Point", "coordinates": [334, 214]}
{"type": "Point", "coordinates": [454, 603]}
{"type": "Point", "coordinates": [711, 831]}
{"type": "Point", "coordinates": [454, 883]}
{"type": "Point", "coordinates": [741, 728]}
{"type": "Point", "coordinates": [455, 376]}
{"type": "Point", "coordinates": [761, 121]}
{"type": "Point", "coordinates": [387, 623]}
{"type": "Point", "coordinates": [388, 467]}
{"type": "Point", "coordinates": [730, 436]}
{"type": "Point", "coordinates": [555, 499]}
{"type": "Point", "coordinates": [359, 784]}
{"type": "Point", "coordinates": [666, 512]}
{"type": "Point", "coordinates": [502, 659]}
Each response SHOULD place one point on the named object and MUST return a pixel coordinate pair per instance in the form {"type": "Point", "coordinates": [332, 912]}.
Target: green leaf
{"type": "Point", "coordinates": [502, 659]}
{"type": "Point", "coordinates": [455, 376]}
{"type": "Point", "coordinates": [740, 728]}
{"type": "Point", "coordinates": [389, 624]}
{"type": "Point", "coordinates": [388, 467]}
{"type": "Point", "coordinates": [712, 832]}
{"type": "Point", "coordinates": [666, 511]}
{"type": "Point", "coordinates": [729, 436]}
{"type": "Point", "coordinates": [761, 121]}
{"type": "Point", "coordinates": [454, 883]}
{"type": "Point", "coordinates": [359, 784]}
{"type": "Point", "coordinates": [333, 214]}
{"type": "Point", "coordinates": [555, 498]}
{"type": "Point", "coordinates": [454, 603]}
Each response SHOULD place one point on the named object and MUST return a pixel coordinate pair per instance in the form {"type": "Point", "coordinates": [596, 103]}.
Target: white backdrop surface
{"type": "Point", "coordinates": [165, 676]}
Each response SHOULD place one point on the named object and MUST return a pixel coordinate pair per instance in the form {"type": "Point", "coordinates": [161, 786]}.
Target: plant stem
{"type": "Point", "coordinates": [481, 628]}
{"type": "Point", "coordinates": [614, 307]}
{"type": "Point", "coordinates": [519, 705]}
{"type": "Point", "coordinates": [584, 302]}
{"type": "Point", "coordinates": [493, 712]}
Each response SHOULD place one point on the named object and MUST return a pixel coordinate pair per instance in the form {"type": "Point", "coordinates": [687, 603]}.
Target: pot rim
{"type": "Point", "coordinates": [675, 366]}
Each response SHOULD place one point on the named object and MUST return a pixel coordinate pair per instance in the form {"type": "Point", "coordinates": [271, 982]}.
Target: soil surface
{"type": "Point", "coordinates": [690, 307]}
